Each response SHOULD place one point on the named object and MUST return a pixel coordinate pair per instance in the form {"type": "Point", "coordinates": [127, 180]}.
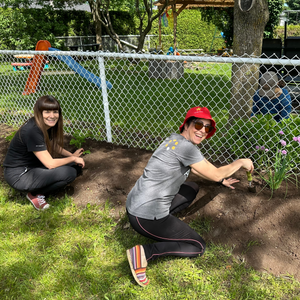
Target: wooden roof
{"type": "Point", "coordinates": [197, 3]}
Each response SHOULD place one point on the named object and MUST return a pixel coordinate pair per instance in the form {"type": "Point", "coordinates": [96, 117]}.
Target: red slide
{"type": "Point", "coordinates": [38, 64]}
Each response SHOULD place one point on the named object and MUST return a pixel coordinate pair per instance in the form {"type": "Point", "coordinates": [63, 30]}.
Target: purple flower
{"type": "Point", "coordinates": [284, 152]}
{"type": "Point", "coordinates": [281, 132]}
{"type": "Point", "coordinates": [283, 143]}
{"type": "Point", "coordinates": [257, 147]}
{"type": "Point", "coordinates": [295, 139]}
{"type": "Point", "coordinates": [266, 150]}
{"type": "Point", "coordinates": [262, 148]}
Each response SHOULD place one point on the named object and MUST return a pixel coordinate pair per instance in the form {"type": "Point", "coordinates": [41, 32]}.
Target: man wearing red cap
{"type": "Point", "coordinates": [162, 191]}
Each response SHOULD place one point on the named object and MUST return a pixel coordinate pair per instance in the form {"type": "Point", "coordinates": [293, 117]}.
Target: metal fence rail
{"type": "Point", "coordinates": [139, 99]}
{"type": "Point", "coordinates": [108, 44]}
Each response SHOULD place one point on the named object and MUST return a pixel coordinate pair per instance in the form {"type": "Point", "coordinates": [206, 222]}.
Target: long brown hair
{"type": "Point", "coordinates": [56, 132]}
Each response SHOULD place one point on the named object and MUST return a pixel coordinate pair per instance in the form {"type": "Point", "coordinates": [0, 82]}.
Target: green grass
{"type": "Point", "coordinates": [79, 253]}
{"type": "Point", "coordinates": [139, 105]}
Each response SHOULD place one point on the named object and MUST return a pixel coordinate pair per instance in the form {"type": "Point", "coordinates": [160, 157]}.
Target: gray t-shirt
{"type": "Point", "coordinates": [166, 171]}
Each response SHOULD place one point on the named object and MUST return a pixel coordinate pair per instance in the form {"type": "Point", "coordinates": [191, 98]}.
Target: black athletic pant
{"type": "Point", "coordinates": [174, 236]}
{"type": "Point", "coordinates": [41, 180]}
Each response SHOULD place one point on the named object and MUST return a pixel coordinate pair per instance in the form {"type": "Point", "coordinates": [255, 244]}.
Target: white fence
{"type": "Point", "coordinates": [139, 99]}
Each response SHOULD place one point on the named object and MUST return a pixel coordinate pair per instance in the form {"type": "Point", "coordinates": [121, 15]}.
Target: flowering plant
{"type": "Point", "coordinates": [278, 166]}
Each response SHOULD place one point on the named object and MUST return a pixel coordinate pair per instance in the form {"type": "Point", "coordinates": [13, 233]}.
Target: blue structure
{"type": "Point", "coordinates": [80, 70]}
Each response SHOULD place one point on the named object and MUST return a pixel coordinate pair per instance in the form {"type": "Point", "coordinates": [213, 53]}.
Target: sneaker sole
{"type": "Point", "coordinates": [45, 207]}
{"type": "Point", "coordinates": [132, 270]}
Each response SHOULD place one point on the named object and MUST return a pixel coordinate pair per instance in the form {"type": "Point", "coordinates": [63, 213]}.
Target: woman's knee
{"type": "Point", "coordinates": [67, 173]}
{"type": "Point", "coordinates": [193, 185]}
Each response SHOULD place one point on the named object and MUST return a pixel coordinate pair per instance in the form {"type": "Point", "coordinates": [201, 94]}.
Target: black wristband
{"type": "Point", "coordinates": [221, 181]}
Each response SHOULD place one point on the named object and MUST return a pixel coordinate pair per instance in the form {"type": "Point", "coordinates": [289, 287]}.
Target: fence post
{"type": "Point", "coordinates": [105, 99]}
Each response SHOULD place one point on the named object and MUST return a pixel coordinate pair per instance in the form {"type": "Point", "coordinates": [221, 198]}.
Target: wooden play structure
{"type": "Point", "coordinates": [178, 6]}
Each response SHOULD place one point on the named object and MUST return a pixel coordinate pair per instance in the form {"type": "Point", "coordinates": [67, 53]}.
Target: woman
{"type": "Point", "coordinates": [30, 165]}
{"type": "Point", "coordinates": [160, 192]}
{"type": "Point", "coordinates": [270, 98]}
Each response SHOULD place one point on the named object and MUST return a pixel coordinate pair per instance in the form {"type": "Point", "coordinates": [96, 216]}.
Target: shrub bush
{"type": "Point", "coordinates": [292, 30]}
{"type": "Point", "coordinates": [20, 29]}
{"type": "Point", "coordinates": [192, 32]}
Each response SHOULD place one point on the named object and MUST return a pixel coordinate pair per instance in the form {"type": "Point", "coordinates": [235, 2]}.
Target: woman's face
{"type": "Point", "coordinates": [194, 135]}
{"type": "Point", "coordinates": [50, 117]}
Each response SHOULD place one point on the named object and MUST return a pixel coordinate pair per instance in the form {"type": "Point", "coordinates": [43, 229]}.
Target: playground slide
{"type": "Point", "coordinates": [80, 70]}
{"type": "Point", "coordinates": [38, 64]}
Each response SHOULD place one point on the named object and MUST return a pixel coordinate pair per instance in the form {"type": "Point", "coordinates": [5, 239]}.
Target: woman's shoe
{"type": "Point", "coordinates": [138, 263]}
{"type": "Point", "coordinates": [38, 201]}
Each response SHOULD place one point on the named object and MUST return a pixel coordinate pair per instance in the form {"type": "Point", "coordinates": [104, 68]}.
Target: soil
{"type": "Point", "coordinates": [263, 229]}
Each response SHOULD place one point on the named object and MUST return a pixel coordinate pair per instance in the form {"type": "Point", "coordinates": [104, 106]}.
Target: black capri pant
{"type": "Point", "coordinates": [173, 235]}
{"type": "Point", "coordinates": [41, 180]}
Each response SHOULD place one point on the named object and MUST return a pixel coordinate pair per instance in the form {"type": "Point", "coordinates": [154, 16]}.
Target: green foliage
{"type": "Point", "coordinates": [275, 9]}
{"type": "Point", "coordinates": [293, 4]}
{"type": "Point", "coordinates": [277, 166]}
{"type": "Point", "coordinates": [223, 19]}
{"type": "Point", "coordinates": [11, 136]}
{"type": "Point", "coordinates": [292, 30]}
{"type": "Point", "coordinates": [193, 32]}
{"type": "Point", "coordinates": [244, 135]}
{"type": "Point", "coordinates": [79, 139]}
{"type": "Point", "coordinates": [22, 28]}
{"type": "Point", "coordinates": [123, 23]}
{"type": "Point", "coordinates": [294, 18]}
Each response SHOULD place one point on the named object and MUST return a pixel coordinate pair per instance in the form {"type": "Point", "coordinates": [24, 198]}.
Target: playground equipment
{"type": "Point", "coordinates": [25, 63]}
{"type": "Point", "coordinates": [173, 52]}
{"type": "Point", "coordinates": [38, 64]}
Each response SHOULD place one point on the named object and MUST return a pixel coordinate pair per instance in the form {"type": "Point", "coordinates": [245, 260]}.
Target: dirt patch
{"type": "Point", "coordinates": [263, 232]}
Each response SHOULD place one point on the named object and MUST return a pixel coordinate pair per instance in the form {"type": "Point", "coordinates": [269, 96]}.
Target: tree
{"type": "Point", "coordinates": [146, 17]}
{"type": "Point", "coordinates": [294, 18]}
{"type": "Point", "coordinates": [21, 28]}
{"type": "Point", "coordinates": [249, 28]}
{"type": "Point", "coordinates": [248, 35]}
{"type": "Point", "coordinates": [275, 9]}
{"type": "Point", "coordinates": [223, 19]}
{"type": "Point", "coordinates": [100, 11]}
{"type": "Point", "coordinates": [143, 9]}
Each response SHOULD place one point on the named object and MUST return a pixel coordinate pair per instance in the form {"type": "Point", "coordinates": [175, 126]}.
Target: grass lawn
{"type": "Point", "coordinates": [72, 253]}
{"type": "Point", "coordinates": [138, 103]}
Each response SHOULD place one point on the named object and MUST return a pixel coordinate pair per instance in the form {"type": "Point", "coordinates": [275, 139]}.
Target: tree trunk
{"type": "Point", "coordinates": [149, 18]}
{"type": "Point", "coordinates": [174, 26]}
{"type": "Point", "coordinates": [100, 12]}
{"type": "Point", "coordinates": [98, 29]}
{"type": "Point", "coordinates": [247, 39]}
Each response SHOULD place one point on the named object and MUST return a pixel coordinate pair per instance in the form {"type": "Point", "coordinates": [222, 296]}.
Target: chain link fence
{"type": "Point", "coordinates": [108, 44]}
{"type": "Point", "coordinates": [137, 100]}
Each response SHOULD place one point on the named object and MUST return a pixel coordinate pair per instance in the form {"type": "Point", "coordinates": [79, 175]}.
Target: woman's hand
{"type": "Point", "coordinates": [79, 161]}
{"type": "Point", "coordinates": [228, 182]}
{"type": "Point", "coordinates": [78, 152]}
{"type": "Point", "coordinates": [247, 164]}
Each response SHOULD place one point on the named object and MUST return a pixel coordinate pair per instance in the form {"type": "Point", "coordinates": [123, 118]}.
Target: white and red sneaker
{"type": "Point", "coordinates": [38, 201]}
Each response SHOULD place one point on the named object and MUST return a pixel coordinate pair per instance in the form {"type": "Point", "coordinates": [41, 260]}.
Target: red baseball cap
{"type": "Point", "coordinates": [201, 113]}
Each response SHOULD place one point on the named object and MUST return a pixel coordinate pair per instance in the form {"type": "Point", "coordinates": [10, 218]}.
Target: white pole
{"type": "Point", "coordinates": [105, 99]}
